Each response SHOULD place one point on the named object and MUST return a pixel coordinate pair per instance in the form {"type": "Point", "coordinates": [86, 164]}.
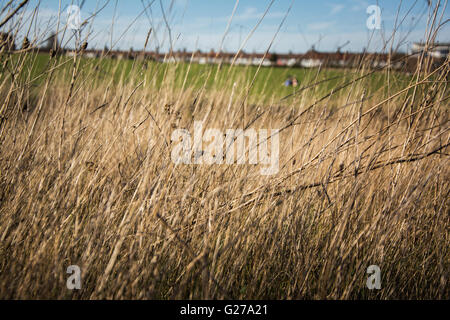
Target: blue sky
{"type": "Point", "coordinates": [201, 23]}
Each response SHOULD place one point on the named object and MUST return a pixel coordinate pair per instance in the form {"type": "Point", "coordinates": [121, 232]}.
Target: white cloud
{"type": "Point", "coordinates": [252, 13]}
{"type": "Point", "coordinates": [359, 5]}
{"type": "Point", "coordinates": [317, 26]}
{"type": "Point", "coordinates": [336, 8]}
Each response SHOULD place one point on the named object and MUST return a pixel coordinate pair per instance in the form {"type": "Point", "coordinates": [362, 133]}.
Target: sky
{"type": "Point", "coordinates": [201, 24]}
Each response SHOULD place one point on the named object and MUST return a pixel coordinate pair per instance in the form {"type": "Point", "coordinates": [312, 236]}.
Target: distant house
{"type": "Point", "coordinates": [437, 50]}
{"type": "Point", "coordinates": [243, 59]}
{"type": "Point", "coordinates": [313, 59]}
{"type": "Point", "coordinates": [310, 59]}
{"type": "Point", "coordinates": [288, 60]}
{"type": "Point", "coordinates": [92, 54]}
{"type": "Point", "coordinates": [311, 63]}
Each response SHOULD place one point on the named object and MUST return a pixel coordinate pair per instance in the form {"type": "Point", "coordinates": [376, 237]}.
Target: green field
{"type": "Point", "coordinates": [267, 86]}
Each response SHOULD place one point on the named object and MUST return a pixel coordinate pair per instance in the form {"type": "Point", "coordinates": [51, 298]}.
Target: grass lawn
{"type": "Point", "coordinates": [267, 86]}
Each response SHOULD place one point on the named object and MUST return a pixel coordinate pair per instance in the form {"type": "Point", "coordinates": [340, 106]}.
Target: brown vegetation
{"type": "Point", "coordinates": [86, 179]}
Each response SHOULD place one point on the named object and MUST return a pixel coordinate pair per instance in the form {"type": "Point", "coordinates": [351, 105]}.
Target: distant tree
{"type": "Point", "coordinates": [7, 41]}
{"type": "Point", "coordinates": [273, 58]}
{"type": "Point", "coordinates": [52, 42]}
{"type": "Point", "coordinates": [131, 54]}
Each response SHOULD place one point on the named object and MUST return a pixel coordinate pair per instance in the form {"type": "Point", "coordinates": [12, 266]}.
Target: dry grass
{"type": "Point", "coordinates": [87, 179]}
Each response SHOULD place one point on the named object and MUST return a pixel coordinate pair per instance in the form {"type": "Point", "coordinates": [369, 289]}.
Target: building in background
{"type": "Point", "coordinates": [437, 50]}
